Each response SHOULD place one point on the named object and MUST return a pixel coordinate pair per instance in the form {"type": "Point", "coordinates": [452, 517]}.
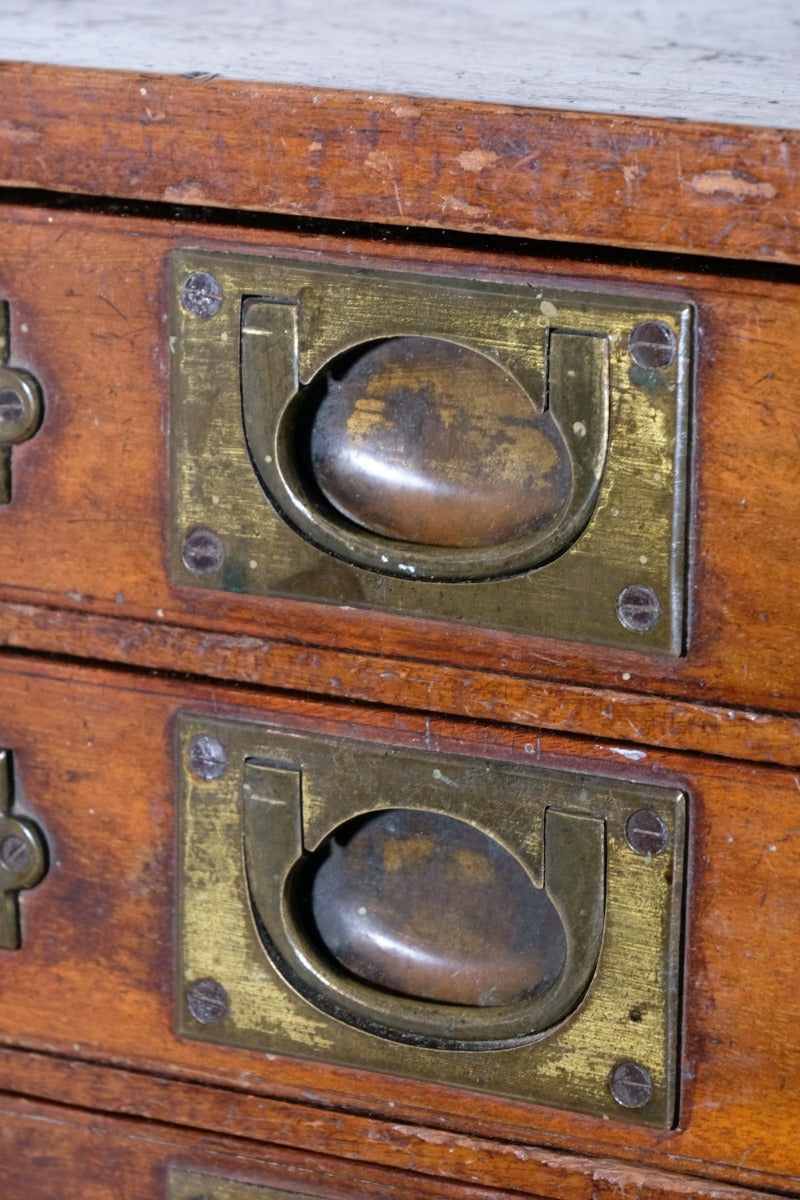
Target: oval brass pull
{"type": "Point", "coordinates": [425, 905]}
{"type": "Point", "coordinates": [367, 989]}
{"type": "Point", "coordinates": [425, 441]}
{"type": "Point", "coordinates": [423, 456]}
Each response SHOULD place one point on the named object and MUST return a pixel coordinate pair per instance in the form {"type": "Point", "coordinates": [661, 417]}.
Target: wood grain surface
{"type": "Point", "coordinates": [86, 531]}
{"type": "Point", "coordinates": [638, 182]}
{"type": "Point", "coordinates": [94, 978]}
{"type": "Point", "coordinates": [608, 713]}
{"type": "Point", "coordinates": [79, 1155]}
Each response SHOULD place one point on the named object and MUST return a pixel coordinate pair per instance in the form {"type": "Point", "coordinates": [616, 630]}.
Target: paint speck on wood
{"type": "Point", "coordinates": [736, 184]}
{"type": "Point", "coordinates": [477, 160]}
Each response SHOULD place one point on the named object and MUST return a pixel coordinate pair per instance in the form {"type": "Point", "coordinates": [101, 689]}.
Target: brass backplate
{"type": "Point", "coordinates": [627, 1013]}
{"type": "Point", "coordinates": [631, 536]}
{"type": "Point", "coordinates": [183, 1184]}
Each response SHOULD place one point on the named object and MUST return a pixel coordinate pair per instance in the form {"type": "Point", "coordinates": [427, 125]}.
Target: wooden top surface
{"type": "Point", "coordinates": [706, 60]}
{"type": "Point", "coordinates": [434, 115]}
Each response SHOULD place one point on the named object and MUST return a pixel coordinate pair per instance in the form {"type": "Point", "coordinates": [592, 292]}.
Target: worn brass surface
{"type": "Point", "coordinates": [20, 408]}
{"type": "Point", "coordinates": [430, 907]}
{"type": "Point", "coordinates": [424, 441]}
{"type": "Point", "coordinates": [478, 425]}
{"type": "Point", "coordinates": [183, 1184]}
{"type": "Point", "coordinates": [595, 465]}
{"type": "Point", "coordinates": [247, 836]}
{"type": "Point", "coordinates": [23, 858]}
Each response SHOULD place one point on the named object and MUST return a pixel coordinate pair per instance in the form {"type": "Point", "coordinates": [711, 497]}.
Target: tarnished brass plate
{"type": "Point", "coordinates": [582, 474]}
{"type": "Point", "coordinates": [183, 1184]}
{"type": "Point", "coordinates": [255, 801]}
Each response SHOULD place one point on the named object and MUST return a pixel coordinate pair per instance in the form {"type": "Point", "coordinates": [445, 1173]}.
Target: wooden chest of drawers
{"type": "Point", "coordinates": [182, 654]}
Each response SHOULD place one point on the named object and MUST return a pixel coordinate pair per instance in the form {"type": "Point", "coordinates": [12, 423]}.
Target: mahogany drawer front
{"type": "Point", "coordinates": [94, 977]}
{"type": "Point", "coordinates": [50, 1150]}
{"type": "Point", "coordinates": [87, 530]}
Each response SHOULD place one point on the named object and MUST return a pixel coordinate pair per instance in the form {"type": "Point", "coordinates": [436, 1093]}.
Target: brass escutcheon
{"type": "Point", "coordinates": [20, 407]}
{"type": "Point", "coordinates": [23, 857]}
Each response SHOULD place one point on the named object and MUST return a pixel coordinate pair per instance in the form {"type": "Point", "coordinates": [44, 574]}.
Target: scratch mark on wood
{"type": "Point", "coordinates": [111, 304]}
{"type": "Point", "coordinates": [377, 160]}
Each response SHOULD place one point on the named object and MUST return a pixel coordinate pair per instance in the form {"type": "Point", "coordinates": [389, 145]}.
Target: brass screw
{"type": "Point", "coordinates": [207, 1001]}
{"type": "Point", "coordinates": [646, 833]}
{"type": "Point", "coordinates": [15, 853]}
{"type": "Point", "coordinates": [201, 294]}
{"type": "Point", "coordinates": [631, 1085]}
{"type": "Point", "coordinates": [12, 407]}
{"type": "Point", "coordinates": [652, 344]}
{"type": "Point", "coordinates": [203, 552]}
{"type": "Point", "coordinates": [207, 758]}
{"type": "Point", "coordinates": [638, 608]}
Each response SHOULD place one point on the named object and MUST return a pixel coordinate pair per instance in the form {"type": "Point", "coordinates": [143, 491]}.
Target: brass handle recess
{"type": "Point", "coordinates": [419, 454]}
{"type": "Point", "coordinates": [281, 888]}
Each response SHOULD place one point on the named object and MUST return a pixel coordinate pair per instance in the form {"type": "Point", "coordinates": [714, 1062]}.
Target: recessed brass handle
{"type": "Point", "coordinates": [280, 887]}
{"type": "Point", "coordinates": [432, 445]}
{"type": "Point", "coordinates": [422, 455]}
{"type": "Point", "coordinates": [502, 927]}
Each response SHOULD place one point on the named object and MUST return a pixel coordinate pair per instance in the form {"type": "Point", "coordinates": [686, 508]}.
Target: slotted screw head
{"type": "Point", "coordinates": [207, 1001]}
{"type": "Point", "coordinates": [646, 833]}
{"type": "Point", "coordinates": [201, 294]}
{"type": "Point", "coordinates": [203, 552]}
{"type": "Point", "coordinates": [15, 853]}
{"type": "Point", "coordinates": [207, 758]}
{"type": "Point", "coordinates": [652, 344]}
{"type": "Point", "coordinates": [631, 1085]}
{"type": "Point", "coordinates": [638, 608]}
{"type": "Point", "coordinates": [12, 407]}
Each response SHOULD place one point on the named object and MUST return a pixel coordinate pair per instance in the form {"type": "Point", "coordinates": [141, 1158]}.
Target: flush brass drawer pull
{"type": "Point", "coordinates": [479, 923]}
{"type": "Point", "coordinates": [473, 450]}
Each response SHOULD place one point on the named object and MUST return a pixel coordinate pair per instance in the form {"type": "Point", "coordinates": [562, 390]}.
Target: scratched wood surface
{"type": "Point", "coordinates": [86, 532]}
{"type": "Point", "coordinates": [77, 1155]}
{"type": "Point", "coordinates": [707, 61]}
{"type": "Point", "coordinates": [640, 182]}
{"type": "Point", "coordinates": [94, 977]}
